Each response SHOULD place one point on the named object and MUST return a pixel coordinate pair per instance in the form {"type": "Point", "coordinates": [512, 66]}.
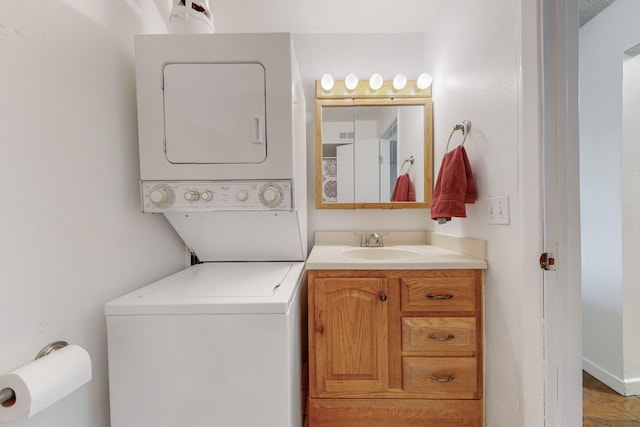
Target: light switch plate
{"type": "Point", "coordinates": [498, 208]}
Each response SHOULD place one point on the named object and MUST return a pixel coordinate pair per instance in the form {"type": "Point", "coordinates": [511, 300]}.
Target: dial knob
{"type": "Point", "coordinates": [192, 196]}
{"type": "Point", "coordinates": [242, 195]}
{"type": "Point", "coordinates": [271, 195]}
{"type": "Point", "coordinates": [161, 195]}
{"type": "Point", "coordinates": [206, 195]}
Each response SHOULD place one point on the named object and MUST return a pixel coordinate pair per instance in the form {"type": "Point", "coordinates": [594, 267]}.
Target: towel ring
{"type": "Point", "coordinates": [410, 160]}
{"type": "Point", "coordinates": [463, 127]}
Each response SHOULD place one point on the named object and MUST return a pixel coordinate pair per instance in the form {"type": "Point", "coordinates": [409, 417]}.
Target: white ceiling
{"type": "Point", "coordinates": [590, 8]}
{"type": "Point", "coordinates": [318, 16]}
{"type": "Point", "coordinates": [339, 16]}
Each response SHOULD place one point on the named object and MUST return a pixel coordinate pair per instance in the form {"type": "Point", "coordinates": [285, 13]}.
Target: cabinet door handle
{"type": "Point", "coordinates": [446, 296]}
{"type": "Point", "coordinates": [439, 338]}
{"type": "Point", "coordinates": [383, 297]}
{"type": "Point", "coordinates": [442, 380]}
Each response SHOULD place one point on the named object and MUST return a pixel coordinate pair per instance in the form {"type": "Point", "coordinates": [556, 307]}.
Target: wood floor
{"type": "Point", "coordinates": [603, 407]}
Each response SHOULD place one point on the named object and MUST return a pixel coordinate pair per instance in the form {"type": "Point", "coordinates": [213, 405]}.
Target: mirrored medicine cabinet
{"type": "Point", "coordinates": [373, 147]}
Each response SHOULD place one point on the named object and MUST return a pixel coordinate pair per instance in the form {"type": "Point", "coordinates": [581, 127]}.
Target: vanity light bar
{"type": "Point", "coordinates": [376, 87]}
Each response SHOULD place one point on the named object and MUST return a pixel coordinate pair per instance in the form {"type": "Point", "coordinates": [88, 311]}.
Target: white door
{"type": "Point", "coordinates": [344, 174]}
{"type": "Point", "coordinates": [386, 181]}
{"type": "Point", "coordinates": [366, 166]}
{"type": "Point", "coordinates": [561, 215]}
{"type": "Point", "coordinates": [215, 113]}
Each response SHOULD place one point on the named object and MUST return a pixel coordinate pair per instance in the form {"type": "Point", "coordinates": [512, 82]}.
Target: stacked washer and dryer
{"type": "Point", "coordinates": [222, 155]}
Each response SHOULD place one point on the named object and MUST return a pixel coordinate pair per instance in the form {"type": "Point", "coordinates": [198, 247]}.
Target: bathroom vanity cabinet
{"type": "Point", "coordinates": [398, 348]}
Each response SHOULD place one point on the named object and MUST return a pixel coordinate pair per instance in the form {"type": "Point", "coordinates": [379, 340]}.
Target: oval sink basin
{"type": "Point", "coordinates": [381, 254]}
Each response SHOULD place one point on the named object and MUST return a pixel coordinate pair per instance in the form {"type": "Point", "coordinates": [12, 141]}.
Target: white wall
{"type": "Point", "coordinates": [608, 278]}
{"type": "Point", "coordinates": [125, 18]}
{"type": "Point", "coordinates": [473, 52]}
{"type": "Point", "coordinates": [73, 236]}
{"type": "Point", "coordinates": [327, 16]}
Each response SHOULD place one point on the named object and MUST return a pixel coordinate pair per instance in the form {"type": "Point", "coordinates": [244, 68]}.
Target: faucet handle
{"type": "Point", "coordinates": [363, 239]}
{"type": "Point", "coordinates": [378, 237]}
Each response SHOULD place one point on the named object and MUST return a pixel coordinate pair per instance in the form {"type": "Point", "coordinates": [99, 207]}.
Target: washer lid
{"type": "Point", "coordinates": [232, 287]}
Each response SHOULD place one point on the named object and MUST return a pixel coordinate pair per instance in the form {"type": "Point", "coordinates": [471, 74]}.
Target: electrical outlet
{"type": "Point", "coordinates": [499, 210]}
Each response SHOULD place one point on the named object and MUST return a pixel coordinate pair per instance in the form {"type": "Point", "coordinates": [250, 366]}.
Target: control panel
{"type": "Point", "coordinates": [200, 196]}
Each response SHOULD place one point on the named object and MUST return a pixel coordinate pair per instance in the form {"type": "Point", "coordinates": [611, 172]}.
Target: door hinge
{"type": "Point", "coordinates": [547, 261]}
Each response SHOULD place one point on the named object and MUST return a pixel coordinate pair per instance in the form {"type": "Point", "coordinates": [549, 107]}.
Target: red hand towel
{"type": "Point", "coordinates": [455, 187]}
{"type": "Point", "coordinates": [403, 190]}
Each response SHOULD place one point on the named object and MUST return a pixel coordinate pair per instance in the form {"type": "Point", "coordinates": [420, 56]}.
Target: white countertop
{"type": "Point", "coordinates": [421, 254]}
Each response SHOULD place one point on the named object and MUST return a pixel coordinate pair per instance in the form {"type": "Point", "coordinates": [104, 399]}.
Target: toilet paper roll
{"type": "Point", "coordinates": [43, 382]}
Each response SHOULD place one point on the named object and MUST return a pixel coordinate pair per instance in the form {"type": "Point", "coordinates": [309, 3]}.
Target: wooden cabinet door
{"type": "Point", "coordinates": [349, 336]}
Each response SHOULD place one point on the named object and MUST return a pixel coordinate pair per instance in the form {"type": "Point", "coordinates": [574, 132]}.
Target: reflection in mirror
{"type": "Point", "coordinates": [375, 154]}
{"type": "Point", "coordinates": [366, 148]}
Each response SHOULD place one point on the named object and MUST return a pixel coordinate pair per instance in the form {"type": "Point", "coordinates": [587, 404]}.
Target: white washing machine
{"type": "Point", "coordinates": [217, 344]}
{"type": "Point", "coordinates": [222, 157]}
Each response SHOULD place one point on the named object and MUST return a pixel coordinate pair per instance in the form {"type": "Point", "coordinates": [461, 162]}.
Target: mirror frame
{"type": "Point", "coordinates": [363, 95]}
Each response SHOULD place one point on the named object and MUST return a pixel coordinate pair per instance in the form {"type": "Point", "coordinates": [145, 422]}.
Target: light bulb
{"type": "Point", "coordinates": [375, 82]}
{"type": "Point", "coordinates": [326, 82]}
{"type": "Point", "coordinates": [351, 81]}
{"type": "Point", "coordinates": [399, 82]}
{"type": "Point", "coordinates": [424, 81]}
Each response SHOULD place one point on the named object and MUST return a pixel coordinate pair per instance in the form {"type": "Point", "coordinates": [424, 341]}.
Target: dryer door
{"type": "Point", "coordinates": [215, 113]}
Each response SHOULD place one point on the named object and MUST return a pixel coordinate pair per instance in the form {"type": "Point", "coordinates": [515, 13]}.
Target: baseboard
{"type": "Point", "coordinates": [633, 387]}
{"type": "Point", "coordinates": [628, 387]}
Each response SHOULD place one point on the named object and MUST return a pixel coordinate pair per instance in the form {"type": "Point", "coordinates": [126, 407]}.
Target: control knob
{"type": "Point", "coordinates": [242, 195]}
{"type": "Point", "coordinates": [161, 196]}
{"type": "Point", "coordinates": [206, 196]}
{"type": "Point", "coordinates": [271, 195]}
{"type": "Point", "coordinates": [192, 196]}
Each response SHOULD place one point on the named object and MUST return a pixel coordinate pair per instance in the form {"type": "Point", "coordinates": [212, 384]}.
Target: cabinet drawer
{"type": "Point", "coordinates": [439, 335]}
{"type": "Point", "coordinates": [441, 376]}
{"type": "Point", "coordinates": [442, 295]}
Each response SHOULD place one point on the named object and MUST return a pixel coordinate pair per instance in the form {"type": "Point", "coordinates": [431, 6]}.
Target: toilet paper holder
{"type": "Point", "coordinates": [7, 395]}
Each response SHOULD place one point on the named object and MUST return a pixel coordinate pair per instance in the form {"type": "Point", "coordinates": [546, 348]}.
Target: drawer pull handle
{"type": "Point", "coordinates": [442, 380]}
{"type": "Point", "coordinates": [442, 339]}
{"type": "Point", "coordinates": [446, 296]}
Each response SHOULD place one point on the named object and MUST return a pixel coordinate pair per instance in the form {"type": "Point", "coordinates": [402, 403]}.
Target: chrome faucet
{"type": "Point", "coordinates": [364, 240]}
{"type": "Point", "coordinates": [378, 237]}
